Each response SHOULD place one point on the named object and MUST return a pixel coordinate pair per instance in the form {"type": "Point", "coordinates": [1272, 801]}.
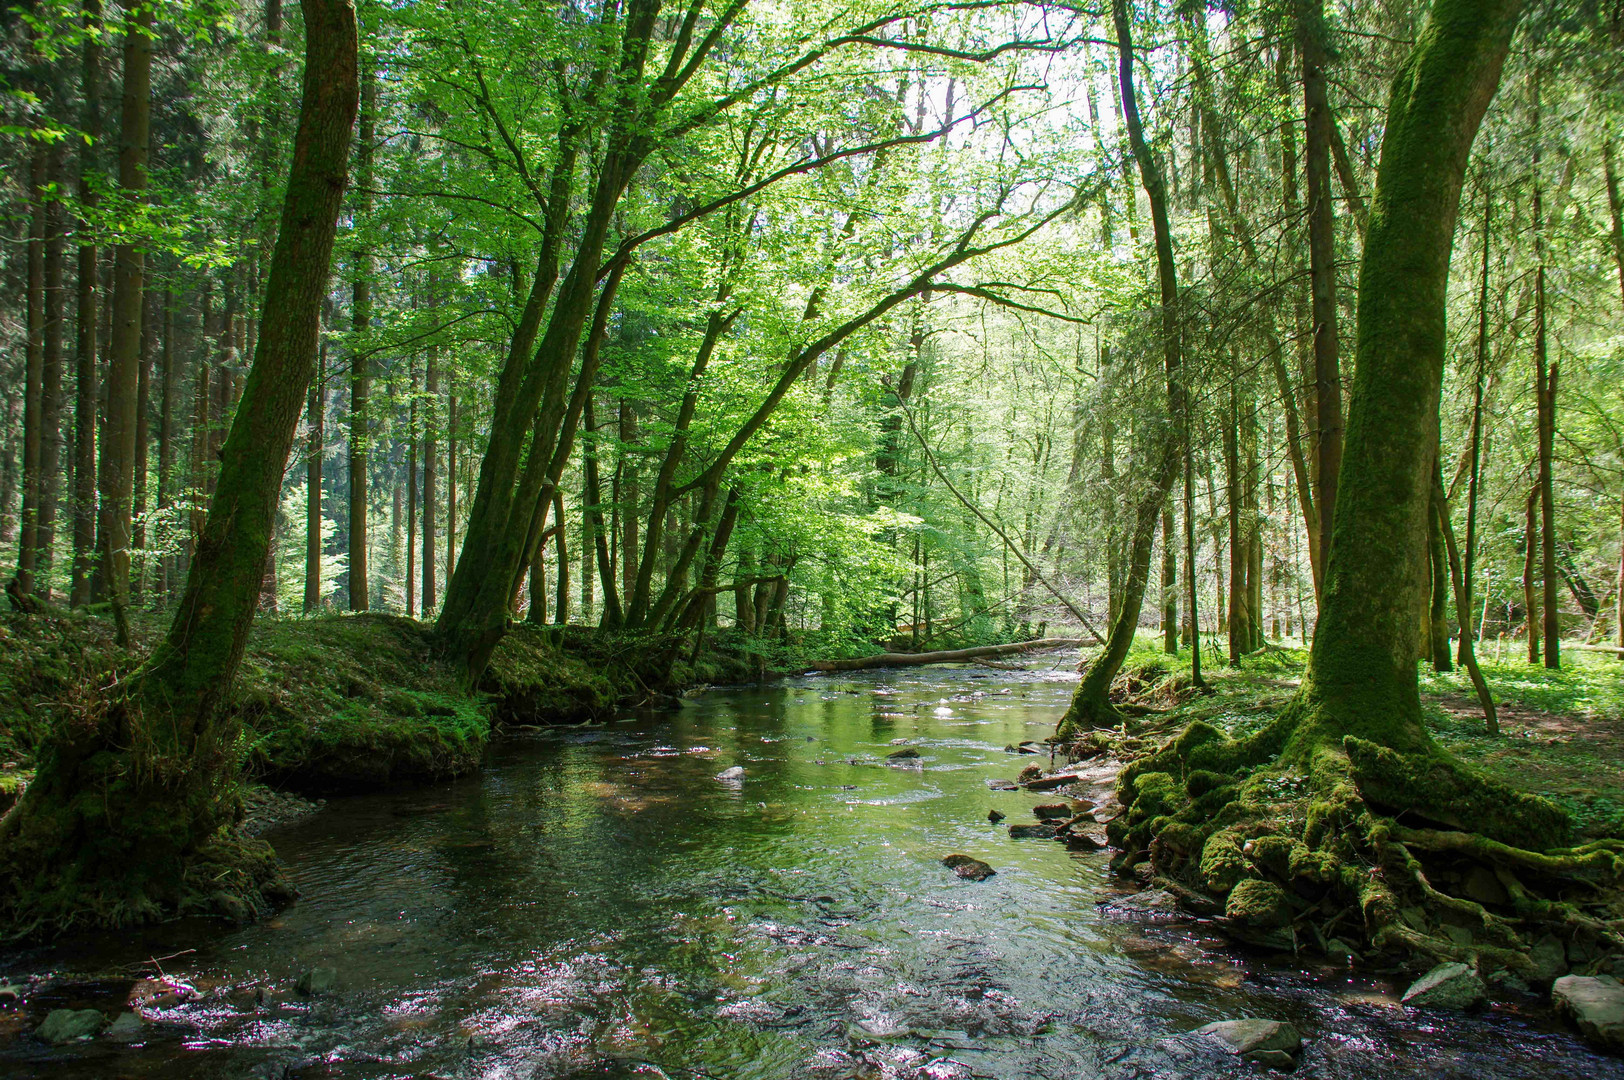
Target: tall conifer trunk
{"type": "Point", "coordinates": [116, 477]}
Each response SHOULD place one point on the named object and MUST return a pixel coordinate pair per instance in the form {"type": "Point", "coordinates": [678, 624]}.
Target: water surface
{"type": "Point", "coordinates": [597, 903]}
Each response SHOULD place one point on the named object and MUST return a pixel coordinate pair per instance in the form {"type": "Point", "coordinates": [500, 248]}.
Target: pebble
{"type": "Point", "coordinates": [66, 1025]}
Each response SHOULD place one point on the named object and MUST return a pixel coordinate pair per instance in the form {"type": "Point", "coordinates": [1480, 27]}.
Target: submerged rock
{"type": "Point", "coordinates": [1447, 986]}
{"type": "Point", "coordinates": [734, 773]}
{"type": "Point", "coordinates": [128, 1026]}
{"type": "Point", "coordinates": [1053, 811]}
{"type": "Point", "coordinates": [967, 867]}
{"type": "Point", "coordinates": [1033, 832]}
{"type": "Point", "coordinates": [995, 816]}
{"type": "Point", "coordinates": [65, 1025]}
{"type": "Point", "coordinates": [1049, 783]}
{"type": "Point", "coordinates": [1146, 904]}
{"type": "Point", "coordinates": [318, 981]}
{"type": "Point", "coordinates": [1267, 1042]}
{"type": "Point", "coordinates": [1003, 785]}
{"type": "Point", "coordinates": [907, 753]}
{"type": "Point", "coordinates": [1595, 1005]}
{"type": "Point", "coordinates": [1029, 774]}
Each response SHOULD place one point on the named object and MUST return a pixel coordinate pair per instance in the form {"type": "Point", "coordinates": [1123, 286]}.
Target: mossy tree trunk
{"type": "Point", "coordinates": [1362, 677]}
{"type": "Point", "coordinates": [129, 816]}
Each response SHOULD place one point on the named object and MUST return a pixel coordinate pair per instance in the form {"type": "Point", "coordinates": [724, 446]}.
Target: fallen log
{"type": "Point", "coordinates": [1614, 649]}
{"type": "Point", "coordinates": [948, 656]}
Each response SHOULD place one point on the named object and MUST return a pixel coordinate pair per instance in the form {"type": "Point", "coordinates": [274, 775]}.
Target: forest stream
{"type": "Point", "coordinates": [598, 903]}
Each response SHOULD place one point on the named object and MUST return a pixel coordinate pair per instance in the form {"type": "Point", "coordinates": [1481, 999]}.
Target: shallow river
{"type": "Point", "coordinates": [597, 903]}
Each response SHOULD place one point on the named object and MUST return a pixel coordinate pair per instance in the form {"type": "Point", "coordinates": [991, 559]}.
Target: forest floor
{"type": "Point", "coordinates": [1562, 732]}
{"type": "Point", "coordinates": [347, 703]}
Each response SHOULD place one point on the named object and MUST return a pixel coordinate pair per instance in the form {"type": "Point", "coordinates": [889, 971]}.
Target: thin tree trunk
{"type": "Point", "coordinates": [315, 448]}
{"type": "Point", "coordinates": [168, 412]}
{"type": "Point", "coordinates": [1545, 379]}
{"type": "Point", "coordinates": [33, 378]}
{"type": "Point", "coordinates": [1170, 584]}
{"type": "Point", "coordinates": [1469, 568]}
{"type": "Point", "coordinates": [1322, 263]}
{"type": "Point", "coordinates": [411, 491]}
{"type": "Point", "coordinates": [87, 316]}
{"type": "Point", "coordinates": [1468, 656]}
{"type": "Point", "coordinates": [360, 449]}
{"type": "Point", "coordinates": [561, 604]}
{"type": "Point", "coordinates": [1530, 586]}
{"type": "Point", "coordinates": [431, 547]}
{"type": "Point", "coordinates": [143, 436]}
{"type": "Point", "coordinates": [50, 462]}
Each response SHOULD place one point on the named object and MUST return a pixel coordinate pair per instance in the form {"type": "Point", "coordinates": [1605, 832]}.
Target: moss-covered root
{"type": "Point", "coordinates": [1303, 848]}
{"type": "Point", "coordinates": [111, 836]}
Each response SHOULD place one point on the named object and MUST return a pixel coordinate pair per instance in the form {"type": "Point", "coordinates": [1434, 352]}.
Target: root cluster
{"type": "Point", "coordinates": [1297, 840]}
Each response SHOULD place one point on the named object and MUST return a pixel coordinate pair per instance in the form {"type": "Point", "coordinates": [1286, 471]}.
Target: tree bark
{"type": "Point", "coordinates": [1545, 380]}
{"type": "Point", "coordinates": [1531, 603]}
{"type": "Point", "coordinates": [116, 478]}
{"type": "Point", "coordinates": [124, 822]}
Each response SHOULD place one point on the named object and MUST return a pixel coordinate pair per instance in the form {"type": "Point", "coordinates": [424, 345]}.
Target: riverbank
{"type": "Point", "coordinates": [351, 703]}
{"type": "Point", "coordinates": [1398, 892]}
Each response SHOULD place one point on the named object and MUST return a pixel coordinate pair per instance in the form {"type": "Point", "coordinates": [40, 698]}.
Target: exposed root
{"type": "Point", "coordinates": [1342, 847]}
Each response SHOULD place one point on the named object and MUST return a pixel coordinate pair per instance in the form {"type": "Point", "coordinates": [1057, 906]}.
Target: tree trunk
{"type": "Point", "coordinates": [87, 316]}
{"type": "Point", "coordinates": [431, 450]}
{"type": "Point", "coordinates": [411, 490]}
{"type": "Point", "coordinates": [1469, 559]}
{"type": "Point", "coordinates": [315, 410]}
{"type": "Point", "coordinates": [1170, 584]}
{"type": "Point", "coordinates": [116, 478]}
{"type": "Point", "coordinates": [1529, 582]}
{"type": "Point", "coordinates": [1362, 677]}
{"type": "Point", "coordinates": [50, 461]}
{"type": "Point", "coordinates": [1322, 263]}
{"type": "Point", "coordinates": [1091, 706]}
{"type": "Point", "coordinates": [168, 415]}
{"type": "Point", "coordinates": [126, 819]}
{"type": "Point", "coordinates": [1545, 379]}
{"type": "Point", "coordinates": [33, 377]}
{"type": "Point", "coordinates": [360, 362]}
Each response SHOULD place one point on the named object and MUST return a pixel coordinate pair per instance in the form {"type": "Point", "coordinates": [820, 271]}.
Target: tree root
{"type": "Point", "coordinates": [1301, 843]}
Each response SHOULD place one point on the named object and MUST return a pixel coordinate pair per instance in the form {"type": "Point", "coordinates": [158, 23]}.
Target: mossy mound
{"type": "Point", "coordinates": [1302, 840]}
{"type": "Point", "coordinates": [353, 702]}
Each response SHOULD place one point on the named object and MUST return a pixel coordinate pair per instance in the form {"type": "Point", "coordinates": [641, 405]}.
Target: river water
{"type": "Point", "coordinates": [596, 903]}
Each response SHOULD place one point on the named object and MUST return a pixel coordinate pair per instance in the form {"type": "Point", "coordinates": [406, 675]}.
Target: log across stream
{"type": "Point", "coordinates": [599, 903]}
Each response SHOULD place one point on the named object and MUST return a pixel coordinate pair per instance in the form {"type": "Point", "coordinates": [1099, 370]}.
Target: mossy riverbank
{"type": "Point", "coordinates": [348, 703]}
{"type": "Point", "coordinates": [1336, 855]}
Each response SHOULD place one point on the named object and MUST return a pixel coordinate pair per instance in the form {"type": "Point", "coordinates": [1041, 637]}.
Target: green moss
{"type": "Point", "coordinates": [1259, 904]}
{"type": "Point", "coordinates": [1223, 865]}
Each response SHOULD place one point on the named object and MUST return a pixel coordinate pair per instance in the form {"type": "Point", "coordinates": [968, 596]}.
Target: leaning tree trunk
{"type": "Point", "coordinates": [128, 818]}
{"type": "Point", "coordinates": [1091, 706]}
